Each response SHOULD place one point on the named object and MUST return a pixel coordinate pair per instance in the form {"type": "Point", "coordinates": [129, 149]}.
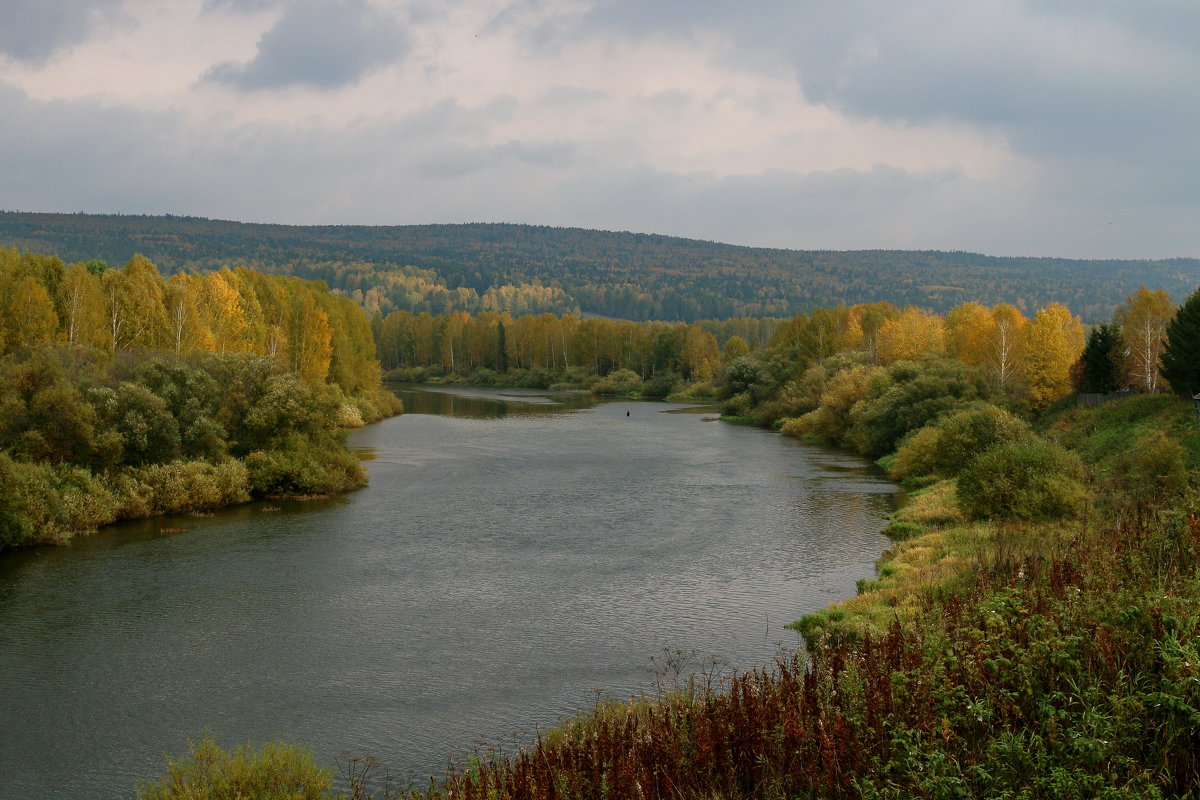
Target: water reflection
{"type": "Point", "coordinates": [472, 403]}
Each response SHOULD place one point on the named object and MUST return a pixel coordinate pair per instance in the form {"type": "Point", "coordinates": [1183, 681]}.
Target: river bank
{"type": "Point", "coordinates": [499, 568]}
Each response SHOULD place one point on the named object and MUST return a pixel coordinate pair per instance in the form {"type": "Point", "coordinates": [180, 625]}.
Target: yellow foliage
{"type": "Point", "coordinates": [1053, 342]}
{"type": "Point", "coordinates": [909, 336]}
{"type": "Point", "coordinates": [32, 320]}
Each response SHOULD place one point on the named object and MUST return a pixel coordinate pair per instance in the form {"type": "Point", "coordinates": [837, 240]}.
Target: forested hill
{"type": "Point", "coordinates": [532, 269]}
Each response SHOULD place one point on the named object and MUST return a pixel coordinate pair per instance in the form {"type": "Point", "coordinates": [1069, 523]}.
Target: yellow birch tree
{"type": "Point", "coordinates": [1053, 342]}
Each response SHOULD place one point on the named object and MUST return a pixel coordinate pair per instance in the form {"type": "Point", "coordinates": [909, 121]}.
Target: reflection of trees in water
{"type": "Point", "coordinates": [450, 404]}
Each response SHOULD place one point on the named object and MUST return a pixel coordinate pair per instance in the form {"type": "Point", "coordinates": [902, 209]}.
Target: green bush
{"type": "Point", "coordinates": [917, 456]}
{"type": "Point", "coordinates": [621, 381]}
{"type": "Point", "coordinates": [274, 772]}
{"type": "Point", "coordinates": [1155, 468]}
{"type": "Point", "coordinates": [660, 384]}
{"type": "Point", "coordinates": [302, 468]}
{"type": "Point", "coordinates": [40, 503]}
{"type": "Point", "coordinates": [966, 434]}
{"type": "Point", "coordinates": [1028, 480]}
{"type": "Point", "coordinates": [184, 486]}
{"type": "Point", "coordinates": [739, 405]}
{"type": "Point", "coordinates": [909, 396]}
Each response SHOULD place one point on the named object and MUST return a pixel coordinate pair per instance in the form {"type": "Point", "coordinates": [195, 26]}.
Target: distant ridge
{"type": "Point", "coordinates": [627, 275]}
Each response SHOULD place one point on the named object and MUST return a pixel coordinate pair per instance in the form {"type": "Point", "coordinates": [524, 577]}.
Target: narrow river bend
{"type": "Point", "coordinates": [512, 557]}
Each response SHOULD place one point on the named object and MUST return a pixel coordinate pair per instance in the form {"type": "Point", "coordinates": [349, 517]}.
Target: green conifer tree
{"type": "Point", "coordinates": [1180, 361]}
{"type": "Point", "coordinates": [1101, 360]}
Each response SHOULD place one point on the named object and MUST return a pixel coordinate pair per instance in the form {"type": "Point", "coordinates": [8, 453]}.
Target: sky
{"type": "Point", "coordinates": [1067, 128]}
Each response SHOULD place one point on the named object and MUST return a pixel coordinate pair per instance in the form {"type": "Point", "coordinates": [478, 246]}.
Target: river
{"type": "Point", "coordinates": [515, 555]}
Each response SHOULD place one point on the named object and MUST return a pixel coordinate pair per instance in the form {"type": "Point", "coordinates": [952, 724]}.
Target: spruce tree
{"type": "Point", "coordinates": [1180, 362]}
{"type": "Point", "coordinates": [1102, 360]}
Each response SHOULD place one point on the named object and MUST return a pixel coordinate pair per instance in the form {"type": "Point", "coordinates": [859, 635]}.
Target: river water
{"type": "Point", "coordinates": [514, 556]}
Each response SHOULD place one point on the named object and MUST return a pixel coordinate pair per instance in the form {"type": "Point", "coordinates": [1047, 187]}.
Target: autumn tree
{"type": "Point", "coordinates": [1053, 341]}
{"type": "Point", "coordinates": [968, 333]}
{"type": "Point", "coordinates": [312, 336]}
{"type": "Point", "coordinates": [700, 355]}
{"type": "Point", "coordinates": [910, 335]}
{"type": "Point", "coordinates": [31, 316]}
{"type": "Point", "coordinates": [1143, 320]}
{"type": "Point", "coordinates": [81, 307]}
{"type": "Point", "coordinates": [134, 298]}
{"type": "Point", "coordinates": [735, 347]}
{"type": "Point", "coordinates": [1005, 344]}
{"type": "Point", "coordinates": [186, 331]}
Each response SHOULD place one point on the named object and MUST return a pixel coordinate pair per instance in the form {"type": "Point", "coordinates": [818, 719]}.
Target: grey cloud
{"type": "Point", "coordinates": [34, 30]}
{"type": "Point", "coordinates": [244, 6]}
{"type": "Point", "coordinates": [667, 100]}
{"type": "Point", "coordinates": [564, 95]}
{"type": "Point", "coordinates": [457, 162]}
{"type": "Point", "coordinates": [322, 44]}
{"type": "Point", "coordinates": [1101, 94]}
{"type": "Point", "coordinates": [70, 156]}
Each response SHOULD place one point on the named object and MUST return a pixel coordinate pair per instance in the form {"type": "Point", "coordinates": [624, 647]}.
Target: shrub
{"type": "Point", "coordinates": [621, 381]}
{"type": "Point", "coordinates": [274, 772]}
{"type": "Point", "coordinates": [1029, 480]}
{"type": "Point", "coordinates": [184, 486]}
{"type": "Point", "coordinates": [966, 434]}
{"type": "Point", "coordinates": [739, 405]}
{"type": "Point", "coordinates": [910, 396]}
{"type": "Point", "coordinates": [660, 384]}
{"type": "Point", "coordinates": [301, 468]}
{"type": "Point", "coordinates": [916, 456]}
{"type": "Point", "coordinates": [43, 503]}
{"type": "Point", "coordinates": [1155, 468]}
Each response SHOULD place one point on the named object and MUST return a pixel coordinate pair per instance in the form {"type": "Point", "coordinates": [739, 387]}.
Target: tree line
{"type": "Point", "coordinates": [522, 269]}
{"type": "Point", "coordinates": [126, 395]}
{"type": "Point", "coordinates": [543, 349]}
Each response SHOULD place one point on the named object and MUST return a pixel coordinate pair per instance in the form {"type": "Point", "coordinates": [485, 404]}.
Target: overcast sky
{"type": "Point", "coordinates": [1058, 128]}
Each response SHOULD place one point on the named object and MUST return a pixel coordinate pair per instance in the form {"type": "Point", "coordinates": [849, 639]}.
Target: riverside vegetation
{"type": "Point", "coordinates": [124, 395]}
{"type": "Point", "coordinates": [1032, 633]}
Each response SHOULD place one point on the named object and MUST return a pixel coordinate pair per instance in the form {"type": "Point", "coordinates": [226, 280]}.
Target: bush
{"type": "Point", "coordinates": [966, 434]}
{"type": "Point", "coordinates": [1029, 480]}
{"type": "Point", "coordinates": [1155, 469]}
{"type": "Point", "coordinates": [739, 405]}
{"type": "Point", "coordinates": [621, 381]}
{"type": "Point", "coordinates": [185, 486]}
{"type": "Point", "coordinates": [910, 396]}
{"type": "Point", "coordinates": [303, 468]}
{"type": "Point", "coordinates": [917, 455]}
{"type": "Point", "coordinates": [40, 503]}
{"type": "Point", "coordinates": [275, 772]}
{"type": "Point", "coordinates": [660, 385]}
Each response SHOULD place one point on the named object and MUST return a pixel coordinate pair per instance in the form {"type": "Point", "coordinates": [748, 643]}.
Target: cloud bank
{"type": "Point", "coordinates": [1061, 128]}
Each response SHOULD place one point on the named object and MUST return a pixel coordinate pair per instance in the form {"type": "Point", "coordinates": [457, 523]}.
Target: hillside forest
{"type": "Point", "coordinates": [124, 394]}
{"type": "Point", "coordinates": [525, 269]}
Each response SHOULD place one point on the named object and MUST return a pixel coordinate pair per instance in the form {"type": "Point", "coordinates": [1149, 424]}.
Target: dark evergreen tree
{"type": "Point", "coordinates": [1180, 360]}
{"type": "Point", "coordinates": [1101, 360]}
